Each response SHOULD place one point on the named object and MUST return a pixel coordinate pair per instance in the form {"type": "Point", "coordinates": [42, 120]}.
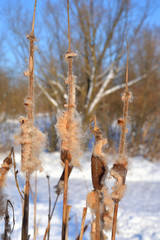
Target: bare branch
{"type": "Point", "coordinates": [113, 89]}
{"type": "Point", "coordinates": [47, 95]}
{"type": "Point", "coordinates": [98, 97]}
{"type": "Point", "coordinates": [110, 35]}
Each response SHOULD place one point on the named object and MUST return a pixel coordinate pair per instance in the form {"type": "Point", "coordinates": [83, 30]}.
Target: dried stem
{"type": "Point", "coordinates": [65, 200]}
{"type": "Point", "coordinates": [125, 109]}
{"type": "Point", "coordinates": [13, 214]}
{"type": "Point", "coordinates": [49, 211]}
{"type": "Point", "coordinates": [69, 36]}
{"type": "Point", "coordinates": [25, 220]}
{"type": "Point", "coordinates": [8, 229]}
{"type": "Point", "coordinates": [35, 206]}
{"type": "Point", "coordinates": [33, 21]}
{"type": "Point", "coordinates": [85, 228]}
{"type": "Point", "coordinates": [83, 222]}
{"type": "Point", "coordinates": [31, 192]}
{"type": "Point", "coordinates": [30, 112]}
{"type": "Point", "coordinates": [119, 169]}
{"type": "Point", "coordinates": [70, 116]}
{"type": "Point", "coordinates": [15, 175]}
{"type": "Point", "coordinates": [114, 221]}
{"type": "Point", "coordinates": [98, 231]}
{"type": "Point", "coordinates": [68, 209]}
{"type": "Point", "coordinates": [58, 191]}
{"type": "Point", "coordinates": [48, 226]}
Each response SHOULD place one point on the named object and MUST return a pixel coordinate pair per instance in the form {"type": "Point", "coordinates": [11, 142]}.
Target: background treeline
{"type": "Point", "coordinates": [98, 30]}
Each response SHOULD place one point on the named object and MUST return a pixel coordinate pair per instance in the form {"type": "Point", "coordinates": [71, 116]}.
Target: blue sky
{"type": "Point", "coordinates": [154, 18]}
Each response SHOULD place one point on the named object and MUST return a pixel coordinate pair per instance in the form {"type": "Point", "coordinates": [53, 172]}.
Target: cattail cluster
{"type": "Point", "coordinates": [98, 162]}
{"type": "Point", "coordinates": [32, 140]}
{"type": "Point", "coordinates": [99, 200]}
{"type": "Point", "coordinates": [119, 169]}
{"type": "Point", "coordinates": [68, 126]}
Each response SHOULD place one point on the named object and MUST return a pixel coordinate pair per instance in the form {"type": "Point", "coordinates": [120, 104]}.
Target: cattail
{"type": "Point", "coordinates": [119, 169]}
{"type": "Point", "coordinates": [98, 161]}
{"type": "Point", "coordinates": [69, 133]}
{"type": "Point", "coordinates": [5, 167]}
{"type": "Point", "coordinates": [31, 139]}
{"type": "Point", "coordinates": [99, 200]}
{"type": "Point", "coordinates": [68, 128]}
{"type": "Point", "coordinates": [107, 214]}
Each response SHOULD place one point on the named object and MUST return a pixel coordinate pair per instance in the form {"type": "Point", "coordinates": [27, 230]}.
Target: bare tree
{"type": "Point", "coordinates": [98, 30]}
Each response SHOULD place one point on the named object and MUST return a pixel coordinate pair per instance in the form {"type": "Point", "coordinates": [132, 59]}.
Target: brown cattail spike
{"type": "Point", "coordinates": [98, 165]}
{"type": "Point", "coordinates": [99, 200]}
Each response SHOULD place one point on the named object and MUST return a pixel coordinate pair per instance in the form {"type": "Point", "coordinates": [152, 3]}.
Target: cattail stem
{"type": "Point", "coordinates": [15, 175]}
{"type": "Point", "coordinates": [49, 210]}
{"type": "Point", "coordinates": [124, 127]}
{"type": "Point", "coordinates": [69, 37]}
{"type": "Point", "coordinates": [85, 228]}
{"type": "Point", "coordinates": [97, 218]}
{"type": "Point", "coordinates": [126, 98]}
{"type": "Point", "coordinates": [25, 220]}
{"type": "Point", "coordinates": [33, 21]}
{"type": "Point", "coordinates": [65, 199]}
{"type": "Point", "coordinates": [6, 230]}
{"type": "Point", "coordinates": [114, 221]}
{"type": "Point", "coordinates": [68, 209]}
{"type": "Point", "coordinates": [48, 226]}
{"type": "Point", "coordinates": [35, 206]}
{"type": "Point", "coordinates": [83, 222]}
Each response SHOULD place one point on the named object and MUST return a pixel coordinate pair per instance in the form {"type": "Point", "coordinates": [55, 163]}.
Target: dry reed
{"type": "Point", "coordinates": [68, 128]}
{"type": "Point", "coordinates": [119, 169]}
{"type": "Point", "coordinates": [30, 138]}
{"type": "Point", "coordinates": [99, 200]}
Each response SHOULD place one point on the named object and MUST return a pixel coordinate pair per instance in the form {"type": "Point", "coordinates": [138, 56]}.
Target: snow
{"type": "Point", "coordinates": [139, 210]}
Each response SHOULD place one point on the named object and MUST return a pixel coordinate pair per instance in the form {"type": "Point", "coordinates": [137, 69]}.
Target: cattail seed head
{"type": "Point", "coordinates": [98, 171]}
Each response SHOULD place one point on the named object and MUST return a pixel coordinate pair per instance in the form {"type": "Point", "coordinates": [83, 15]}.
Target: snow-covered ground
{"type": "Point", "coordinates": [139, 210]}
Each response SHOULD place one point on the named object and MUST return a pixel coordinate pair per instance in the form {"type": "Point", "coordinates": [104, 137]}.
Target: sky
{"type": "Point", "coordinates": [154, 18]}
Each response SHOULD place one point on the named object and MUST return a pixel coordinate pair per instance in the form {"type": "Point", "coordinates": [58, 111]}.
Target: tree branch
{"type": "Point", "coordinates": [47, 95]}
{"type": "Point", "coordinates": [113, 89]}
{"type": "Point", "coordinates": [98, 97]}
